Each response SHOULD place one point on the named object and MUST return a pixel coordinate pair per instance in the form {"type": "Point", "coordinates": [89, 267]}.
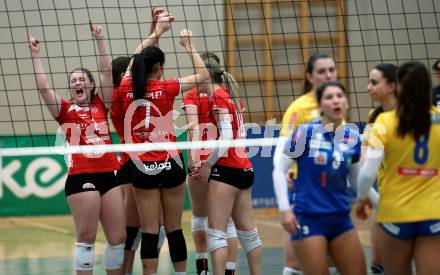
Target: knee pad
{"type": "Point", "coordinates": [177, 246]}
{"type": "Point", "coordinates": [249, 240]}
{"type": "Point", "coordinates": [231, 232]}
{"type": "Point", "coordinates": [216, 239]}
{"type": "Point", "coordinates": [84, 256]}
{"type": "Point", "coordinates": [133, 239]}
{"type": "Point", "coordinates": [113, 256]}
{"type": "Point", "coordinates": [162, 234]}
{"type": "Point", "coordinates": [149, 246]}
{"type": "Point", "coordinates": [199, 223]}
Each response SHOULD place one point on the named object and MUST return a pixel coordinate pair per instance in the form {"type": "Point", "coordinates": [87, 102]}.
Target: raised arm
{"type": "Point", "coordinates": [202, 73]}
{"type": "Point", "coordinates": [51, 99]}
{"type": "Point", "coordinates": [155, 12]}
{"type": "Point", "coordinates": [105, 66]}
{"type": "Point", "coordinates": [162, 25]}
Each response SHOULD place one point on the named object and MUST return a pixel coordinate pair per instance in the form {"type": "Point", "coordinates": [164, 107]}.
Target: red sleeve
{"type": "Point", "coordinates": [63, 111]}
{"type": "Point", "coordinates": [220, 101]}
{"type": "Point", "coordinates": [172, 86]}
{"type": "Point", "coordinates": [126, 81]}
{"type": "Point", "coordinates": [116, 109]}
{"type": "Point", "coordinates": [188, 99]}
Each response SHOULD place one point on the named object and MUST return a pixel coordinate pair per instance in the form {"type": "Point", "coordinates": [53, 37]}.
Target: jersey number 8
{"type": "Point", "coordinates": [421, 150]}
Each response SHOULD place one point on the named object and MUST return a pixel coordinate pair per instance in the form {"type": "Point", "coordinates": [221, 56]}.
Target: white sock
{"type": "Point", "coordinates": [231, 265]}
{"type": "Point", "coordinates": [180, 273]}
{"type": "Point", "coordinates": [203, 255]}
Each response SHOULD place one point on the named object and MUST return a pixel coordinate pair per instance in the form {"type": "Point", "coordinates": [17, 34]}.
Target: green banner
{"type": "Point", "coordinates": [34, 185]}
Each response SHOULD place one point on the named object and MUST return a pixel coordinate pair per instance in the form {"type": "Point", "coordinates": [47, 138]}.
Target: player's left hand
{"type": "Point", "coordinates": [204, 171]}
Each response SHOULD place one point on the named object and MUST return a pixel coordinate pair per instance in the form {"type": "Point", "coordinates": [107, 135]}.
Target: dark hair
{"type": "Point", "coordinates": [321, 89]}
{"type": "Point", "coordinates": [414, 100]}
{"type": "Point", "coordinates": [219, 76]}
{"type": "Point", "coordinates": [389, 73]}
{"type": "Point", "coordinates": [207, 56]}
{"type": "Point", "coordinates": [89, 75]}
{"type": "Point", "coordinates": [119, 66]}
{"type": "Point", "coordinates": [435, 65]}
{"type": "Point", "coordinates": [142, 67]}
{"type": "Point", "coordinates": [309, 69]}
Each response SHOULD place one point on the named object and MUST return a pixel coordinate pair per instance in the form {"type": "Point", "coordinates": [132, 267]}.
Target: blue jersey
{"type": "Point", "coordinates": [324, 159]}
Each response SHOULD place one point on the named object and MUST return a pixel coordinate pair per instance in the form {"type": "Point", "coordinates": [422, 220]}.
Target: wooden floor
{"type": "Point", "coordinates": [45, 245]}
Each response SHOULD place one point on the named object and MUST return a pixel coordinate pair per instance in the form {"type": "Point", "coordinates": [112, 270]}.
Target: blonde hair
{"type": "Point", "coordinates": [219, 76]}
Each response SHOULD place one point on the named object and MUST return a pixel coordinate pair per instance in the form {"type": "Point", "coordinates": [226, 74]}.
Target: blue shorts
{"type": "Point", "coordinates": [330, 226]}
{"type": "Point", "coordinates": [410, 230]}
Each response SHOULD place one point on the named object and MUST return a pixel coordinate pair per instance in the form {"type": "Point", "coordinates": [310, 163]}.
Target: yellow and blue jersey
{"type": "Point", "coordinates": [324, 160]}
{"type": "Point", "coordinates": [301, 111]}
{"type": "Point", "coordinates": [410, 187]}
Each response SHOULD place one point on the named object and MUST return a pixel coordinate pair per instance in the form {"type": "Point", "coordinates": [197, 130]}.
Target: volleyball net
{"type": "Point", "coordinates": [263, 43]}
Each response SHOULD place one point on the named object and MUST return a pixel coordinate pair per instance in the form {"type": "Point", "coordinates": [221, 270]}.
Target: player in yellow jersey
{"type": "Point", "coordinates": [319, 68]}
{"type": "Point", "coordinates": [407, 141]}
{"type": "Point", "coordinates": [382, 87]}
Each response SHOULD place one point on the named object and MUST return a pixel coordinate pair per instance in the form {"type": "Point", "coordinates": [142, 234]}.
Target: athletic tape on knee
{"type": "Point", "coordinates": [216, 239]}
{"type": "Point", "coordinates": [249, 240]}
{"type": "Point", "coordinates": [84, 256]}
{"type": "Point", "coordinates": [232, 232]}
{"type": "Point", "coordinates": [291, 271]}
{"type": "Point", "coordinates": [133, 239]}
{"type": "Point", "coordinates": [149, 246]}
{"type": "Point", "coordinates": [199, 223]}
{"type": "Point", "coordinates": [113, 256]}
{"type": "Point", "coordinates": [162, 235]}
{"type": "Point", "coordinates": [177, 246]}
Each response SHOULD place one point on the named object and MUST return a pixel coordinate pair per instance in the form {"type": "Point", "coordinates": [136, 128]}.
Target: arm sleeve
{"type": "Point", "coordinates": [173, 86]}
{"type": "Point", "coordinates": [281, 164]}
{"type": "Point", "coordinates": [225, 128]}
{"type": "Point", "coordinates": [188, 99]}
{"type": "Point", "coordinates": [64, 106]}
{"type": "Point", "coordinates": [368, 172]}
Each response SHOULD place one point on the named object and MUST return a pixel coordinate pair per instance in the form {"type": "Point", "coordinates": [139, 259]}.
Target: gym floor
{"type": "Point", "coordinates": [45, 245]}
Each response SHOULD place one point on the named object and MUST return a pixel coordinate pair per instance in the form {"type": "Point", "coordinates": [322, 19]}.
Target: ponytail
{"type": "Point", "coordinates": [142, 67]}
{"type": "Point", "coordinates": [219, 76]}
{"type": "Point", "coordinates": [414, 100]}
{"type": "Point", "coordinates": [233, 88]}
{"type": "Point", "coordinates": [138, 76]}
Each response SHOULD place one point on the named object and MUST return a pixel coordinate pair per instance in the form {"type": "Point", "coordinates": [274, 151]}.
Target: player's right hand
{"type": "Point", "coordinates": [289, 222]}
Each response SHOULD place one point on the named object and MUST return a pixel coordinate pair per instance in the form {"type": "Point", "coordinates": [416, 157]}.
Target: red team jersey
{"type": "Point", "coordinates": [205, 117]}
{"type": "Point", "coordinates": [87, 126]}
{"type": "Point", "coordinates": [117, 116]}
{"type": "Point", "coordinates": [152, 117]}
{"type": "Point", "coordinates": [236, 157]}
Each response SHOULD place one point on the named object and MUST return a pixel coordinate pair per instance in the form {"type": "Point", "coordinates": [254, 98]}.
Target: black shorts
{"type": "Point", "coordinates": [159, 174]}
{"type": "Point", "coordinates": [101, 182]}
{"type": "Point", "coordinates": [241, 178]}
{"type": "Point", "coordinates": [124, 173]}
